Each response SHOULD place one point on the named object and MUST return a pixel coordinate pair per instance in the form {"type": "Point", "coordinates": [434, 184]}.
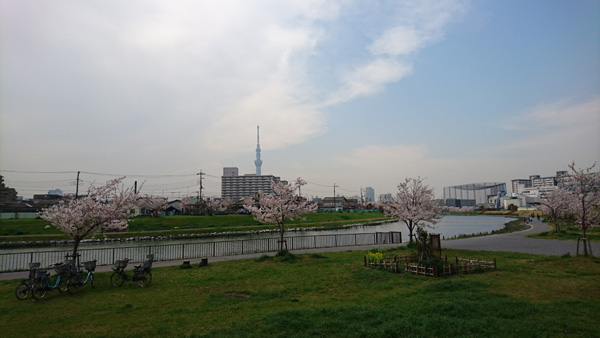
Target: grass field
{"type": "Point", "coordinates": [324, 295]}
{"type": "Point", "coordinates": [569, 234]}
{"type": "Point", "coordinates": [34, 229]}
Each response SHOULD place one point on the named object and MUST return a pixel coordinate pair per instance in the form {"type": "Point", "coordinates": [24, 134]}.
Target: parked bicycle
{"type": "Point", "coordinates": [22, 290]}
{"type": "Point", "coordinates": [42, 283]}
{"type": "Point", "coordinates": [142, 273]}
{"type": "Point", "coordinates": [77, 280]}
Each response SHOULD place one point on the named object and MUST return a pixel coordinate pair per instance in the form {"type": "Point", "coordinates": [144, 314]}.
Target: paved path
{"type": "Point", "coordinates": [512, 242]}
{"type": "Point", "coordinates": [516, 242]}
{"type": "Point", "coordinates": [105, 268]}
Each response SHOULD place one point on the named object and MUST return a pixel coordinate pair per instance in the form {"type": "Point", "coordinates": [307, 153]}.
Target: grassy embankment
{"type": "Point", "coordinates": [568, 233]}
{"type": "Point", "coordinates": [33, 229]}
{"type": "Point", "coordinates": [324, 295]}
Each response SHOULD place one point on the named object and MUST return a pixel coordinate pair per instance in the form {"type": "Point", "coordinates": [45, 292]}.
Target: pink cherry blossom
{"type": "Point", "coordinates": [279, 207]}
{"type": "Point", "coordinates": [104, 208]}
{"type": "Point", "coordinates": [415, 205]}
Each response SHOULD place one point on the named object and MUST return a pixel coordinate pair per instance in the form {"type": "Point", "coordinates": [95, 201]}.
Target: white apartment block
{"type": "Point", "coordinates": [238, 187]}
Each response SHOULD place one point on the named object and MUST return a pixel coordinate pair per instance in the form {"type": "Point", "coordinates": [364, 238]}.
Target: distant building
{"type": "Point", "coordinates": [465, 194]}
{"type": "Point", "coordinates": [542, 184]}
{"type": "Point", "coordinates": [55, 192]}
{"type": "Point", "coordinates": [370, 194]}
{"type": "Point", "coordinates": [6, 194]}
{"type": "Point", "coordinates": [238, 187]}
{"type": "Point", "coordinates": [338, 203]}
{"type": "Point", "coordinates": [520, 184]}
{"type": "Point", "coordinates": [385, 197]}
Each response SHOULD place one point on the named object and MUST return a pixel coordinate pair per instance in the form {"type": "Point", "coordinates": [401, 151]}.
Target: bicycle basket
{"type": "Point", "coordinates": [90, 265]}
{"type": "Point", "coordinates": [41, 274]}
{"type": "Point", "coordinates": [121, 263]}
{"type": "Point", "coordinates": [147, 265]}
{"type": "Point", "coordinates": [61, 269]}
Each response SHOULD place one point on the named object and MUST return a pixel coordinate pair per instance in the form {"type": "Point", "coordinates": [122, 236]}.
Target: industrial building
{"type": "Point", "coordinates": [472, 194]}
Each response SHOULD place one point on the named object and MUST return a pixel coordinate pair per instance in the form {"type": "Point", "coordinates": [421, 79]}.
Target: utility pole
{"type": "Point", "coordinates": [334, 205]}
{"type": "Point", "coordinates": [77, 188]}
{"type": "Point", "coordinates": [200, 190]}
{"type": "Point", "coordinates": [361, 197]}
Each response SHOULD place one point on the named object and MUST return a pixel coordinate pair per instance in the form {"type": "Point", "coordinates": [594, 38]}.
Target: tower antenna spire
{"type": "Point", "coordinates": [258, 162]}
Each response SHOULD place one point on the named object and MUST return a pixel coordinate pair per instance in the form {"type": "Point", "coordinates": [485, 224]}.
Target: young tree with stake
{"type": "Point", "coordinates": [281, 206]}
{"type": "Point", "coordinates": [585, 187]}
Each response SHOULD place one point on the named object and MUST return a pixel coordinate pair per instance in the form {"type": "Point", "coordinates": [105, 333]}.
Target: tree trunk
{"type": "Point", "coordinates": [583, 226]}
{"type": "Point", "coordinates": [410, 227]}
{"type": "Point", "coordinates": [281, 230]}
{"type": "Point", "coordinates": [75, 247]}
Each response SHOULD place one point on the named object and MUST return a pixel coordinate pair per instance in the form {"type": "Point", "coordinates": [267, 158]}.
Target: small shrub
{"type": "Point", "coordinates": [262, 258]}
{"type": "Point", "coordinates": [285, 256]}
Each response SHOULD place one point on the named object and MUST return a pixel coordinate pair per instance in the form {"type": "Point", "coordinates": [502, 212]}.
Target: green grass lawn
{"type": "Point", "coordinates": [569, 234]}
{"type": "Point", "coordinates": [324, 295]}
{"type": "Point", "coordinates": [34, 229]}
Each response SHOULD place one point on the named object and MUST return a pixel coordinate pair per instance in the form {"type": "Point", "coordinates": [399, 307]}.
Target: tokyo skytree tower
{"type": "Point", "coordinates": [258, 162]}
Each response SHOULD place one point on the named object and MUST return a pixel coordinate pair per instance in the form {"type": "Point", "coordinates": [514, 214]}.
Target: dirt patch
{"type": "Point", "coordinates": [237, 295]}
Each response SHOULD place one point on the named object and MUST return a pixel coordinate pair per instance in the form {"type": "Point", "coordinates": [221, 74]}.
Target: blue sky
{"type": "Point", "coordinates": [350, 93]}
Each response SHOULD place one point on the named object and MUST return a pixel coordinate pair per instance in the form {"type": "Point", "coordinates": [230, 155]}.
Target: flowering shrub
{"type": "Point", "coordinates": [376, 255]}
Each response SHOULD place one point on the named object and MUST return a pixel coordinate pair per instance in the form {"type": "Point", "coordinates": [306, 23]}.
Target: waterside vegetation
{"type": "Point", "coordinates": [41, 230]}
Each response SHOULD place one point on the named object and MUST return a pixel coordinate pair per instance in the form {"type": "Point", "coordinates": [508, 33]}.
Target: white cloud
{"type": "Point", "coordinates": [415, 24]}
{"type": "Point", "coordinates": [398, 41]}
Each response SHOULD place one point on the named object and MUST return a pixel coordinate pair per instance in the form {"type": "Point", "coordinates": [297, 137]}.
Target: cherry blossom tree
{"type": "Point", "coordinates": [104, 208]}
{"type": "Point", "coordinates": [227, 203]}
{"type": "Point", "coordinates": [585, 205]}
{"type": "Point", "coordinates": [415, 205]}
{"type": "Point", "coordinates": [211, 204]}
{"type": "Point", "coordinates": [279, 207]}
{"type": "Point", "coordinates": [154, 204]}
{"type": "Point", "coordinates": [556, 203]}
{"type": "Point", "coordinates": [189, 204]}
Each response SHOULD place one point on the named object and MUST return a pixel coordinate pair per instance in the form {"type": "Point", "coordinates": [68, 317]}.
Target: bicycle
{"type": "Point", "coordinates": [142, 273]}
{"type": "Point", "coordinates": [42, 283]}
{"type": "Point", "coordinates": [22, 290]}
{"type": "Point", "coordinates": [77, 280]}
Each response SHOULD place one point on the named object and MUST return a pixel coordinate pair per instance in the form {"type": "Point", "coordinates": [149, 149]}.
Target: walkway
{"type": "Point", "coordinates": [516, 242]}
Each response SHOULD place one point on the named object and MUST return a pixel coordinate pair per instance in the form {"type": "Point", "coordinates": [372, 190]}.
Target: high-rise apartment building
{"type": "Point", "coordinates": [370, 194]}
{"type": "Point", "coordinates": [238, 187]}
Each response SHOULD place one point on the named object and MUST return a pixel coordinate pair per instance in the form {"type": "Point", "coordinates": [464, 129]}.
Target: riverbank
{"type": "Point", "coordinates": [327, 294]}
{"type": "Point", "coordinates": [150, 238]}
{"type": "Point", "coordinates": [39, 231]}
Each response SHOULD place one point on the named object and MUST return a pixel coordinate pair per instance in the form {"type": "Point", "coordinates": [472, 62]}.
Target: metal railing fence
{"type": "Point", "coordinates": [107, 256]}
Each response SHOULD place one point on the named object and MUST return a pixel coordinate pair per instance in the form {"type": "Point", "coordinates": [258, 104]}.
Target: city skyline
{"type": "Point", "coordinates": [346, 93]}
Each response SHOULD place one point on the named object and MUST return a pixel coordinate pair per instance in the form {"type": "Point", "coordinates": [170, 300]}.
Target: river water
{"type": "Point", "coordinates": [449, 226]}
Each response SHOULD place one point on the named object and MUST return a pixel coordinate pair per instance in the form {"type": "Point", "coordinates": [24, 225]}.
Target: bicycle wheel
{"type": "Point", "coordinates": [92, 280]}
{"type": "Point", "coordinates": [145, 279]}
{"type": "Point", "coordinates": [63, 284]}
{"type": "Point", "coordinates": [72, 286]}
{"type": "Point", "coordinates": [117, 278]}
{"type": "Point", "coordinates": [38, 290]}
{"type": "Point", "coordinates": [22, 291]}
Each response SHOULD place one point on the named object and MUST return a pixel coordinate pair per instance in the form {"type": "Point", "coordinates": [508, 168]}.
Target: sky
{"type": "Point", "coordinates": [348, 93]}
